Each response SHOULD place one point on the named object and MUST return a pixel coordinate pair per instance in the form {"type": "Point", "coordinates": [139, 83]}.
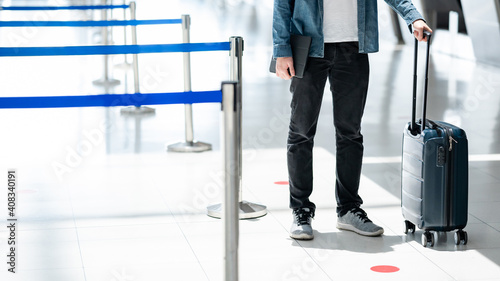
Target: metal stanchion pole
{"type": "Point", "coordinates": [135, 69]}
{"type": "Point", "coordinates": [231, 105]}
{"type": "Point", "coordinates": [247, 210]}
{"type": "Point", "coordinates": [106, 81]}
{"type": "Point", "coordinates": [135, 57]}
{"type": "Point", "coordinates": [190, 145]}
{"type": "Point", "coordinates": [125, 65]}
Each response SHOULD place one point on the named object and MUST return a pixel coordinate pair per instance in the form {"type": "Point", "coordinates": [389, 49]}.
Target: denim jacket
{"type": "Point", "coordinates": [307, 19]}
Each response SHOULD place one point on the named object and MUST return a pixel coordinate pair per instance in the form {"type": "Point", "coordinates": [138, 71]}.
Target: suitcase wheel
{"type": "Point", "coordinates": [427, 239]}
{"type": "Point", "coordinates": [409, 227]}
{"type": "Point", "coordinates": [461, 237]}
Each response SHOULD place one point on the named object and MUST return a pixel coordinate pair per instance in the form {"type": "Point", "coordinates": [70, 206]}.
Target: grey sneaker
{"type": "Point", "coordinates": [356, 220]}
{"type": "Point", "coordinates": [301, 227]}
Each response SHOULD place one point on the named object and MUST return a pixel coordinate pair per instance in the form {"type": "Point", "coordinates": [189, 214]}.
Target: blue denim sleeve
{"type": "Point", "coordinates": [406, 10]}
{"type": "Point", "coordinates": [282, 17]}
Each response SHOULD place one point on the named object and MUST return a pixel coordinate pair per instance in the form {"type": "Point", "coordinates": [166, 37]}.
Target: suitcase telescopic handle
{"type": "Point", "coordinates": [414, 129]}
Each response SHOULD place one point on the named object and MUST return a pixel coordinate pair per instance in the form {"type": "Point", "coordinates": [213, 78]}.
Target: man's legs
{"type": "Point", "coordinates": [306, 104]}
{"type": "Point", "coordinates": [349, 85]}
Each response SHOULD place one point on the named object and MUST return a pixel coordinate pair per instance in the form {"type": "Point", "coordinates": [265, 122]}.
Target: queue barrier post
{"type": "Point", "coordinates": [135, 58]}
{"type": "Point", "coordinates": [231, 106]}
{"type": "Point", "coordinates": [189, 145]}
{"type": "Point", "coordinates": [106, 81]}
{"type": "Point", "coordinates": [135, 68]}
{"type": "Point", "coordinates": [247, 210]}
{"type": "Point", "coordinates": [125, 65]}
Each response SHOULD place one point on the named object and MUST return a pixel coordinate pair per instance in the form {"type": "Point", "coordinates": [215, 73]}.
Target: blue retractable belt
{"type": "Point", "coordinates": [87, 23]}
{"type": "Point", "coordinates": [46, 8]}
{"type": "Point", "coordinates": [112, 50]}
{"type": "Point", "coordinates": [112, 100]}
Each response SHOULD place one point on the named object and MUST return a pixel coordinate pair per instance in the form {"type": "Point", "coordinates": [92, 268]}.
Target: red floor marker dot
{"type": "Point", "coordinates": [281, 182]}
{"type": "Point", "coordinates": [384, 269]}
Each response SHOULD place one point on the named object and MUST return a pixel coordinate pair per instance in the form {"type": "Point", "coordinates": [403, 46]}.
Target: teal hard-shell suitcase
{"type": "Point", "coordinates": [434, 174]}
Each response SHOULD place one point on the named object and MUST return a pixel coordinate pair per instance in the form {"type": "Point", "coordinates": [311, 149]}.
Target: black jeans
{"type": "Point", "coordinates": [348, 73]}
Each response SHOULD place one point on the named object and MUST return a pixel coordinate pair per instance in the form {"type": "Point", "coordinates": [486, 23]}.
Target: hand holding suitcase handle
{"type": "Point", "coordinates": [419, 27]}
{"type": "Point", "coordinates": [414, 129]}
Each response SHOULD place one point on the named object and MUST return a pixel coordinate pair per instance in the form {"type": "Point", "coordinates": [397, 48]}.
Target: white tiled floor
{"type": "Point", "coordinates": [125, 210]}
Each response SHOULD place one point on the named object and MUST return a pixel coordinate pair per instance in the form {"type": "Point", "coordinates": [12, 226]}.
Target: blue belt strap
{"type": "Point", "coordinates": [81, 7]}
{"type": "Point", "coordinates": [112, 50]}
{"type": "Point", "coordinates": [112, 100]}
{"type": "Point", "coordinates": [87, 23]}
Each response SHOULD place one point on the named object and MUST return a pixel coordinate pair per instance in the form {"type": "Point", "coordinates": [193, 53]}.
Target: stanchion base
{"type": "Point", "coordinates": [124, 66]}
{"type": "Point", "coordinates": [248, 210]}
{"type": "Point", "coordinates": [106, 83]}
{"type": "Point", "coordinates": [137, 110]}
{"type": "Point", "coordinates": [194, 146]}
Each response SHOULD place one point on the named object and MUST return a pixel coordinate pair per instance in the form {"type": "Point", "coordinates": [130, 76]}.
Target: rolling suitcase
{"type": "Point", "coordinates": [434, 172]}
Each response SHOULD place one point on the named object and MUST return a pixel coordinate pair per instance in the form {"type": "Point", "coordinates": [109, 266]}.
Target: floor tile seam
{"type": "Point", "coordinates": [25, 269]}
{"type": "Point", "coordinates": [474, 223]}
{"type": "Point", "coordinates": [477, 218]}
{"type": "Point", "coordinates": [494, 227]}
{"type": "Point", "coordinates": [42, 229]}
{"type": "Point", "coordinates": [241, 234]}
{"type": "Point", "coordinates": [487, 171]}
{"type": "Point", "coordinates": [247, 255]}
{"type": "Point", "coordinates": [481, 164]}
{"type": "Point", "coordinates": [391, 229]}
{"type": "Point", "coordinates": [490, 181]}
{"type": "Point", "coordinates": [248, 189]}
{"type": "Point", "coordinates": [486, 189]}
{"type": "Point", "coordinates": [206, 219]}
{"type": "Point", "coordinates": [126, 225]}
{"type": "Point", "coordinates": [486, 279]}
{"type": "Point", "coordinates": [68, 194]}
{"type": "Point", "coordinates": [131, 239]}
{"type": "Point", "coordinates": [158, 264]}
{"type": "Point", "coordinates": [484, 201]}
{"type": "Point", "coordinates": [193, 251]}
{"type": "Point", "coordinates": [349, 253]}
{"type": "Point", "coordinates": [320, 267]}
{"type": "Point", "coordinates": [262, 232]}
{"type": "Point", "coordinates": [431, 261]}
{"type": "Point", "coordinates": [278, 221]}
{"type": "Point", "coordinates": [479, 248]}
{"type": "Point", "coordinates": [174, 216]}
{"type": "Point", "coordinates": [118, 214]}
{"type": "Point", "coordinates": [45, 243]}
{"type": "Point", "coordinates": [45, 221]}
{"type": "Point", "coordinates": [96, 223]}
{"type": "Point", "coordinates": [388, 225]}
{"type": "Point", "coordinates": [483, 221]}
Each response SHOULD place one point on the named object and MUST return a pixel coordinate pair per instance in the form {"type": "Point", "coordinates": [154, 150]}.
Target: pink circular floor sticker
{"type": "Point", "coordinates": [385, 269]}
{"type": "Point", "coordinates": [281, 182]}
